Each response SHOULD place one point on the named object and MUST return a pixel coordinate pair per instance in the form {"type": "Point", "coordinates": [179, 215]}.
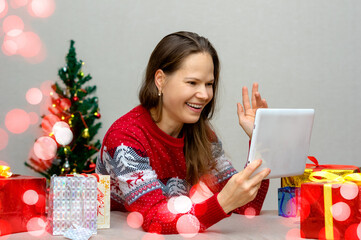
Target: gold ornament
{"type": "Point", "coordinates": [85, 133]}
{"type": "Point", "coordinates": [73, 171]}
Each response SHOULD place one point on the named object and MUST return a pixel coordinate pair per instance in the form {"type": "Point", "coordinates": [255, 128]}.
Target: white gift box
{"type": "Point", "coordinates": [72, 201]}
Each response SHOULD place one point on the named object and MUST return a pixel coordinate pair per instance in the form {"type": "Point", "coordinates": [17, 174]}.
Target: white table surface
{"type": "Point", "coordinates": [268, 225]}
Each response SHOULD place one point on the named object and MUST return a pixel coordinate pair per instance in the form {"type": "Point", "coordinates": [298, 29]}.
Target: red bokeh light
{"type": "Point", "coordinates": [32, 45]}
{"type": "Point", "coordinates": [188, 226]}
{"type": "Point", "coordinates": [4, 163]}
{"type": "Point", "coordinates": [13, 25]}
{"type": "Point", "coordinates": [341, 211]}
{"type": "Point", "coordinates": [200, 192]}
{"type": "Point", "coordinates": [135, 219]}
{"type": "Point", "coordinates": [36, 226]}
{"type": "Point", "coordinates": [46, 89]}
{"type": "Point", "coordinates": [351, 232]}
{"type": "Point", "coordinates": [18, 3]}
{"type": "Point", "coordinates": [182, 204]}
{"type": "Point", "coordinates": [164, 214]}
{"type": "Point", "coordinates": [30, 197]}
{"type": "Point", "coordinates": [4, 139]}
{"type": "Point", "coordinates": [336, 234]}
{"type": "Point", "coordinates": [34, 118]}
{"type": "Point", "coordinates": [17, 121]}
{"type": "Point", "coordinates": [45, 148]}
{"type": "Point", "coordinates": [293, 234]}
{"type": "Point", "coordinates": [349, 191]}
{"type": "Point", "coordinates": [41, 8]}
{"type": "Point", "coordinates": [250, 212]}
{"type": "Point", "coordinates": [34, 96]}
{"type": "Point", "coordinates": [152, 236]}
{"type": "Point", "coordinates": [3, 8]}
{"type": "Point", "coordinates": [48, 122]}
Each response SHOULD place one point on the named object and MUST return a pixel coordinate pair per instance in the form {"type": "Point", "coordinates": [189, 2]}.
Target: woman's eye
{"type": "Point", "coordinates": [192, 83]}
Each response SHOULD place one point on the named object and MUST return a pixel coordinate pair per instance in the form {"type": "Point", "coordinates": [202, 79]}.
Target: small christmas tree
{"type": "Point", "coordinates": [71, 127]}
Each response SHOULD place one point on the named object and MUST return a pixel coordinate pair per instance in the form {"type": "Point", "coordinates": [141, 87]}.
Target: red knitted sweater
{"type": "Point", "coordinates": [147, 168]}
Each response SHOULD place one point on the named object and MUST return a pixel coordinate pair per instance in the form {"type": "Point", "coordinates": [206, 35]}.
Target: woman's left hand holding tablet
{"type": "Point", "coordinates": [247, 113]}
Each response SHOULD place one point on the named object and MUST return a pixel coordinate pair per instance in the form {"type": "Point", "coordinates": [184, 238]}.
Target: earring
{"type": "Point", "coordinates": [159, 93]}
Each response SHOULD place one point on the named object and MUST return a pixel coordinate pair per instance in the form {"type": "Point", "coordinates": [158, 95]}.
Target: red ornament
{"type": "Point", "coordinates": [65, 103]}
{"type": "Point", "coordinates": [75, 98]}
{"type": "Point", "coordinates": [97, 115]}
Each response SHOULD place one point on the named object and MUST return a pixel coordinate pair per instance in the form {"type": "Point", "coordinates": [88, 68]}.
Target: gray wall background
{"type": "Point", "coordinates": [304, 54]}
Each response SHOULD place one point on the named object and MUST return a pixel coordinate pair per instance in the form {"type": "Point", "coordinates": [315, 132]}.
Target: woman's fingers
{"type": "Point", "coordinates": [245, 99]}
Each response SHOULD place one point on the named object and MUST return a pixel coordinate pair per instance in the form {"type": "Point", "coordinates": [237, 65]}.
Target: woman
{"type": "Point", "coordinates": [164, 146]}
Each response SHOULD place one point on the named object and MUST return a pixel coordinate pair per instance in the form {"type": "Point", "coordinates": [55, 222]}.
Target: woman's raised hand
{"type": "Point", "coordinates": [241, 187]}
{"type": "Point", "coordinates": [247, 113]}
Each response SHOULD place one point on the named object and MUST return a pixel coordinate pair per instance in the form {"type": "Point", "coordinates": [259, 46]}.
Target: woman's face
{"type": "Point", "coordinates": [188, 90]}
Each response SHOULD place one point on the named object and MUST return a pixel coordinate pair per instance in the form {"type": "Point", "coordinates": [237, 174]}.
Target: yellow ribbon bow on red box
{"type": "Point", "coordinates": [5, 171]}
{"type": "Point", "coordinates": [329, 179]}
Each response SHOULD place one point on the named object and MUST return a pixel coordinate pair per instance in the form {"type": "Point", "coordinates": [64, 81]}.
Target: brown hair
{"type": "Point", "coordinates": [168, 56]}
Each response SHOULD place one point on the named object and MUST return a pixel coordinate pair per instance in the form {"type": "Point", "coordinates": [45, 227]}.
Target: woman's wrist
{"type": "Point", "coordinates": [223, 203]}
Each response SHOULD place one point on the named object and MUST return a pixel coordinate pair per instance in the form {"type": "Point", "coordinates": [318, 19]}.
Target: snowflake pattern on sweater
{"type": "Point", "coordinates": [147, 168]}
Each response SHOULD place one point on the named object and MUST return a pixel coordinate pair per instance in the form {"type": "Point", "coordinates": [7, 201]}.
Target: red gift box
{"type": "Point", "coordinates": [330, 210]}
{"type": "Point", "coordinates": [22, 204]}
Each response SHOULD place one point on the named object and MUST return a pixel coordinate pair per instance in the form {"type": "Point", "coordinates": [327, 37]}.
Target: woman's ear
{"type": "Point", "coordinates": [159, 79]}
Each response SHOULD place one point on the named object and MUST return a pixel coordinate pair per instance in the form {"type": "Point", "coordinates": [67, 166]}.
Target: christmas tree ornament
{"type": "Point", "coordinates": [97, 115]}
{"type": "Point", "coordinates": [65, 69]}
{"type": "Point", "coordinates": [63, 136]}
{"type": "Point", "coordinates": [75, 98]}
{"type": "Point", "coordinates": [85, 133]}
{"type": "Point", "coordinates": [66, 165]}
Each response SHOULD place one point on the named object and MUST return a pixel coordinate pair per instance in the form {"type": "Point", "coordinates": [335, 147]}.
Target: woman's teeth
{"type": "Point", "coordinates": [194, 105]}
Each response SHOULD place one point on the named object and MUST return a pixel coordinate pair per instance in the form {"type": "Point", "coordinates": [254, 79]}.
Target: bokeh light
{"type": "Point", "coordinates": [32, 45]}
{"type": "Point", "coordinates": [336, 234]}
{"type": "Point", "coordinates": [351, 232]}
{"type": "Point", "coordinates": [18, 3]}
{"type": "Point", "coordinates": [41, 8]}
{"type": "Point", "coordinates": [340, 211]}
{"type": "Point", "coordinates": [164, 214]}
{"type": "Point", "coordinates": [9, 47]}
{"type": "Point", "coordinates": [48, 122]}
{"type": "Point", "coordinates": [152, 236]}
{"type": "Point", "coordinates": [200, 192]}
{"type": "Point", "coordinates": [135, 219]}
{"type": "Point", "coordinates": [13, 25]}
{"type": "Point", "coordinates": [293, 234]}
{"type": "Point", "coordinates": [182, 204]}
{"type": "Point", "coordinates": [4, 163]}
{"type": "Point", "coordinates": [305, 208]}
{"type": "Point", "coordinates": [3, 8]}
{"type": "Point", "coordinates": [349, 191]}
{"type": "Point", "coordinates": [45, 88]}
{"type": "Point", "coordinates": [34, 118]}
{"type": "Point", "coordinates": [188, 226]}
{"type": "Point", "coordinates": [171, 206]}
{"type": "Point", "coordinates": [63, 136]}
{"type": "Point", "coordinates": [36, 226]}
{"type": "Point", "coordinates": [250, 212]}
{"type": "Point", "coordinates": [45, 148]}
{"type": "Point", "coordinates": [4, 139]}
{"type": "Point", "coordinates": [30, 197]}
{"type": "Point", "coordinates": [17, 121]}
{"type": "Point", "coordinates": [59, 125]}
{"type": "Point", "coordinates": [34, 96]}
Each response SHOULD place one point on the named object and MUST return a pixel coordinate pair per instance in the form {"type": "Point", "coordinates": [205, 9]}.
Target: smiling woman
{"type": "Point", "coordinates": [161, 152]}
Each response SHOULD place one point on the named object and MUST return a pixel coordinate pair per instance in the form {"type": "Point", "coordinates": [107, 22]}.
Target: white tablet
{"type": "Point", "coordinates": [281, 138]}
